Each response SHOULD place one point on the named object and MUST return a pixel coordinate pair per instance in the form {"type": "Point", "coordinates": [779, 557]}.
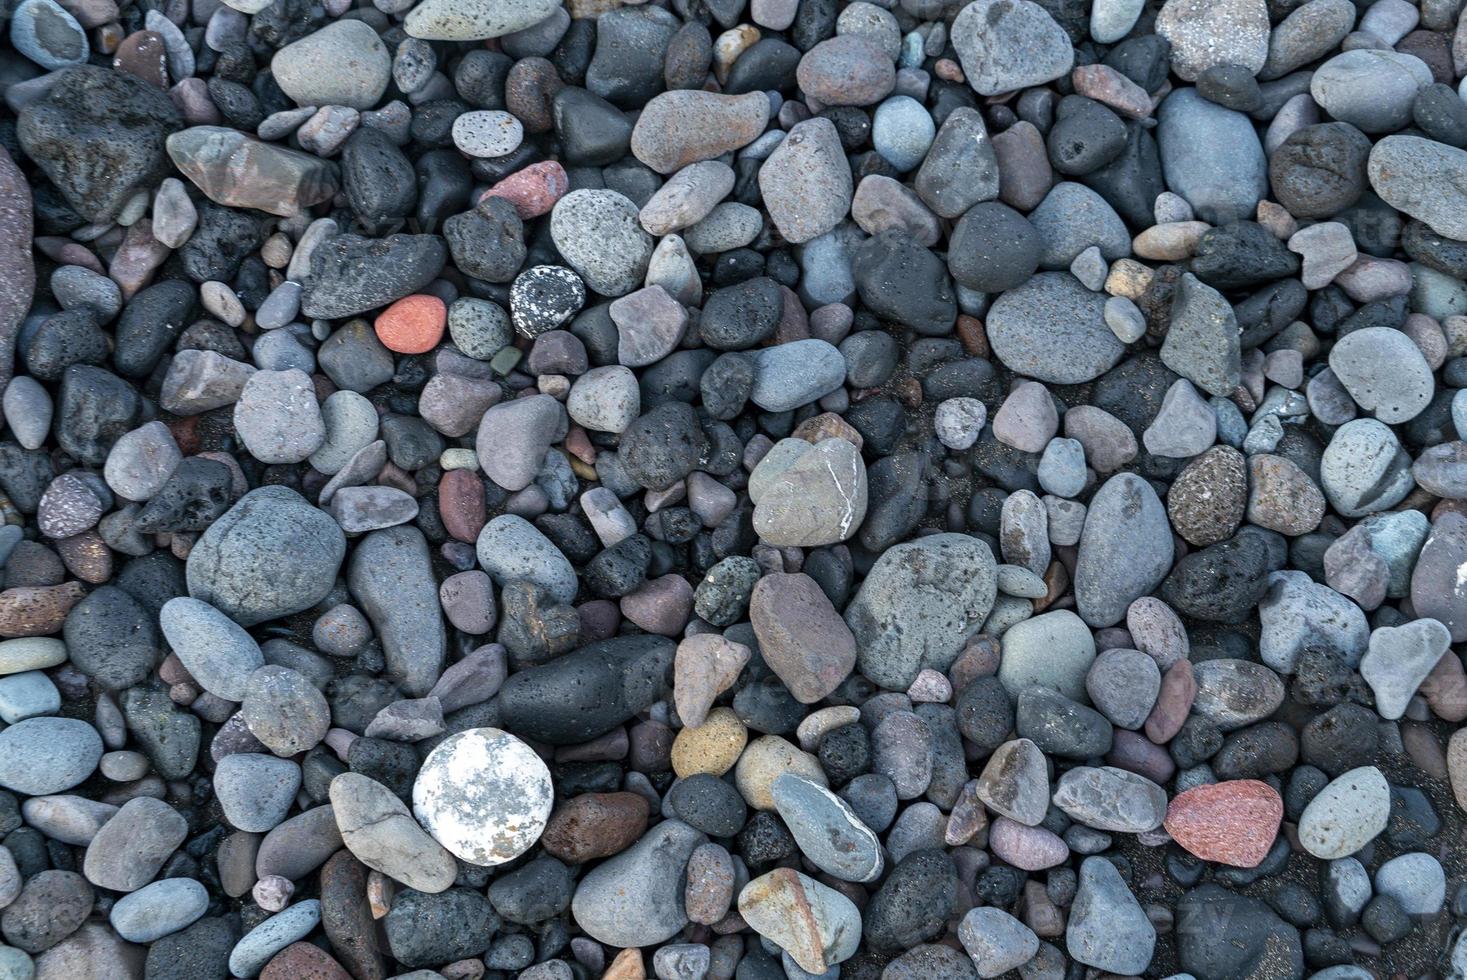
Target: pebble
{"type": "Point", "coordinates": [847, 69]}
{"type": "Point", "coordinates": [343, 63]}
{"type": "Point", "coordinates": [1369, 88]}
{"type": "Point", "coordinates": [1211, 156]}
{"type": "Point", "coordinates": [598, 233]}
{"type": "Point", "coordinates": [47, 755]}
{"type": "Point", "coordinates": [1399, 659]}
{"type": "Point", "coordinates": [1416, 880]}
{"type": "Point", "coordinates": [484, 795]}
{"type": "Point", "coordinates": [1346, 815]}
{"type": "Point", "coordinates": [1416, 176]}
{"type": "Point", "coordinates": [707, 439]}
{"type": "Point", "coordinates": [217, 653]}
{"type": "Point", "coordinates": [686, 126]}
{"type": "Point", "coordinates": [379, 830]}
{"type": "Point", "coordinates": [996, 941]}
{"type": "Point", "coordinates": [1232, 822]}
{"type": "Point", "coordinates": [1029, 327]}
{"type": "Point", "coordinates": [815, 925]}
{"type": "Point", "coordinates": [809, 495]}
{"type": "Point", "coordinates": [806, 184]}
{"type": "Point", "coordinates": [1384, 373]}
{"type": "Point", "coordinates": [636, 897]}
{"type": "Point", "coordinates": [1125, 549]}
{"type": "Point", "coordinates": [1107, 928]}
{"type": "Point", "coordinates": [1202, 35]}
{"type": "Point", "coordinates": [260, 944]}
{"type": "Point", "coordinates": [129, 849]}
{"type": "Point", "coordinates": [1107, 798]}
{"type": "Point", "coordinates": [1009, 44]}
{"type": "Point", "coordinates": [158, 909]}
{"type": "Point", "coordinates": [831, 836]}
{"type": "Point", "coordinates": [255, 791]}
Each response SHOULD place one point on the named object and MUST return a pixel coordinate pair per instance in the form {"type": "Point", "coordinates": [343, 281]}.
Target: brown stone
{"type": "Point", "coordinates": [1445, 689]}
{"type": "Point", "coordinates": [461, 504]}
{"type": "Point", "coordinates": [1173, 702]}
{"type": "Point", "coordinates": [705, 666]}
{"type": "Point", "coordinates": [143, 54]}
{"type": "Point", "coordinates": [972, 336]}
{"type": "Point", "coordinates": [801, 636]}
{"type": "Point", "coordinates": [1106, 85]}
{"type": "Point", "coordinates": [627, 966]}
{"type": "Point", "coordinates": [86, 556]}
{"type": "Point", "coordinates": [827, 425]}
{"type": "Point", "coordinates": [240, 171]}
{"type": "Point", "coordinates": [346, 916]}
{"type": "Point", "coordinates": [595, 825]}
{"type": "Point", "coordinates": [302, 961]}
{"type": "Point", "coordinates": [1281, 496]}
{"type": "Point", "coordinates": [37, 611]}
{"type": "Point", "coordinates": [1233, 822]}
{"type": "Point", "coordinates": [1207, 501]}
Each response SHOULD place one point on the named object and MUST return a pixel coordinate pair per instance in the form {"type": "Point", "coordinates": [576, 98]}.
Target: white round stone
{"type": "Point", "coordinates": [484, 795]}
{"type": "Point", "coordinates": [488, 133]}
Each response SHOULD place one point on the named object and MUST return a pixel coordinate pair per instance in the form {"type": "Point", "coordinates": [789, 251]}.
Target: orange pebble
{"type": "Point", "coordinates": [412, 325]}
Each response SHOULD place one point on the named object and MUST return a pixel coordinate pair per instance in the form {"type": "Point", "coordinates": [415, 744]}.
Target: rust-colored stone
{"type": "Point", "coordinates": [302, 961]}
{"type": "Point", "coordinates": [346, 916]}
{"type": "Point", "coordinates": [461, 504]}
{"type": "Point", "coordinates": [1233, 822]}
{"type": "Point", "coordinates": [595, 825]}
{"type": "Point", "coordinates": [1173, 701]}
{"type": "Point", "coordinates": [37, 610]}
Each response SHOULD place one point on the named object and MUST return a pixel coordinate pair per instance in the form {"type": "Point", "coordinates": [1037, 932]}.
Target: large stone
{"type": "Point", "coordinates": [829, 834]}
{"type": "Point", "coordinates": [270, 555]}
{"type": "Point", "coordinates": [351, 274]}
{"type": "Point", "coordinates": [1107, 927]}
{"type": "Point", "coordinates": [98, 135]}
{"type": "Point", "coordinates": [483, 794]}
{"type": "Point", "coordinates": [475, 20]}
{"type": "Point", "coordinates": [1006, 45]}
{"type": "Point", "coordinates": [1125, 549]}
{"type": "Point", "coordinates": [1347, 814]}
{"type": "Point", "coordinates": [801, 635]}
{"type": "Point", "coordinates": [239, 171]}
{"type": "Point", "coordinates": [214, 649]}
{"type": "Point", "coordinates": [1211, 156]}
{"type": "Point", "coordinates": [919, 605]}
{"type": "Point", "coordinates": [1202, 343]}
{"type": "Point", "coordinates": [636, 897]}
{"type": "Point", "coordinates": [806, 182]}
{"type": "Point", "coordinates": [1207, 33]}
{"type": "Point", "coordinates": [378, 829]}
{"type": "Point", "coordinates": [1053, 328]}
{"type": "Point", "coordinates": [815, 924]}
{"type": "Point", "coordinates": [343, 63]}
{"type": "Point", "coordinates": [809, 495]}
{"type": "Point", "coordinates": [391, 575]}
{"type": "Point", "coordinates": [17, 267]}
{"type": "Point", "coordinates": [1424, 179]}
{"type": "Point", "coordinates": [582, 695]}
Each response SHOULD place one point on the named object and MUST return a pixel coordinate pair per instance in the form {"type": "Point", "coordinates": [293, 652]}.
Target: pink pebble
{"type": "Point", "coordinates": [534, 190]}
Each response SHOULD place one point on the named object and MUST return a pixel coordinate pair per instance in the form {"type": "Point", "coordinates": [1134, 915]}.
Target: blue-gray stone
{"type": "Point", "coordinates": [1211, 156]}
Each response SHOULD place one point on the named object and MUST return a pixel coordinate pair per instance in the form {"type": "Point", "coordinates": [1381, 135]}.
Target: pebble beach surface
{"type": "Point", "coordinates": [733, 489]}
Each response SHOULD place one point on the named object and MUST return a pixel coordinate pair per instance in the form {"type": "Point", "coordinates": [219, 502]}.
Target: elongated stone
{"type": "Point", "coordinates": [239, 171]}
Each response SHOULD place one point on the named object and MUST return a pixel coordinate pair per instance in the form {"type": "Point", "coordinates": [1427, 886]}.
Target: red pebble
{"type": "Point", "coordinates": [412, 325]}
{"type": "Point", "coordinates": [1233, 823]}
{"type": "Point", "coordinates": [534, 190]}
